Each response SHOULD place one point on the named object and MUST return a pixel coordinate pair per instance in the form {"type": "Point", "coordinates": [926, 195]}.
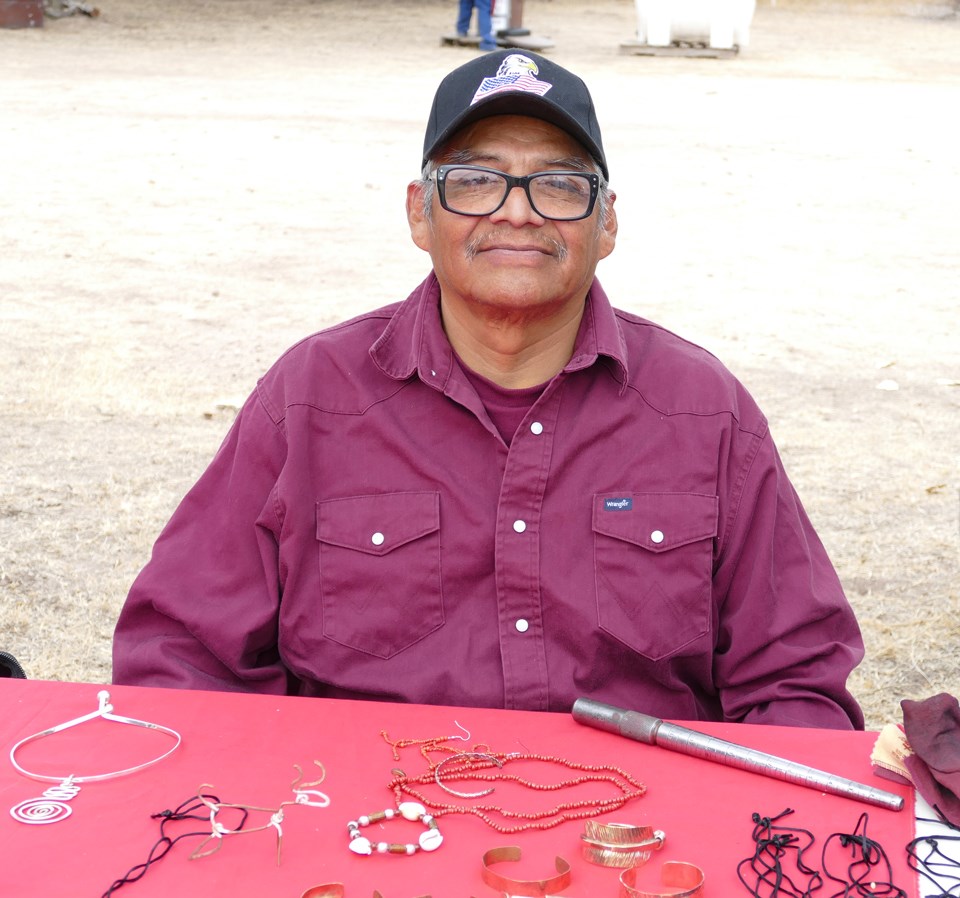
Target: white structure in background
{"type": "Point", "coordinates": [500, 15]}
{"type": "Point", "coordinates": [718, 24]}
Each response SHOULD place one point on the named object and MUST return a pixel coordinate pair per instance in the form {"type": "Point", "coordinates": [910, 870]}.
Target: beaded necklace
{"type": "Point", "coordinates": [483, 764]}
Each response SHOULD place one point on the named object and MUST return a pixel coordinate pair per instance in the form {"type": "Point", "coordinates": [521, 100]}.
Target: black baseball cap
{"type": "Point", "coordinates": [514, 82]}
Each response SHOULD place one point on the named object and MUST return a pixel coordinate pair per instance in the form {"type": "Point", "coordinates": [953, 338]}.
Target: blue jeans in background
{"type": "Point", "coordinates": [485, 29]}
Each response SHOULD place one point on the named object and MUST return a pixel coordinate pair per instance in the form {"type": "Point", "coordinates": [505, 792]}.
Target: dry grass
{"type": "Point", "coordinates": [168, 234]}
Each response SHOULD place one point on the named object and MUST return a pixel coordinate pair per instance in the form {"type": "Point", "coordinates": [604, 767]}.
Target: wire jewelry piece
{"type": "Point", "coordinates": [688, 878]}
{"type": "Point", "coordinates": [535, 888]}
{"type": "Point", "coordinates": [426, 744]}
{"type": "Point", "coordinates": [430, 839]}
{"type": "Point", "coordinates": [302, 795]}
{"type": "Point", "coordinates": [469, 756]}
{"type": "Point", "coordinates": [52, 807]}
{"type": "Point", "coordinates": [620, 844]}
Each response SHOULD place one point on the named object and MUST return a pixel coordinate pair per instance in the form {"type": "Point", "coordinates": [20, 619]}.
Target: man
{"type": "Point", "coordinates": [501, 491]}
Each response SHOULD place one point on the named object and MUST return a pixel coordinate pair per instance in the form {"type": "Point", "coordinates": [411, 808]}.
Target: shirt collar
{"type": "Point", "coordinates": [414, 340]}
{"type": "Point", "coordinates": [599, 335]}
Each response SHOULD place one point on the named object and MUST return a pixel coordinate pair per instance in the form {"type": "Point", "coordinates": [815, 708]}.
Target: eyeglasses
{"type": "Point", "coordinates": [558, 195]}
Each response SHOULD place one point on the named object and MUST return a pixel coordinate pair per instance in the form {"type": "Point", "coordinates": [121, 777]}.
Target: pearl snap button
{"type": "Point", "coordinates": [536, 428]}
{"type": "Point", "coordinates": [522, 625]}
{"type": "Point", "coordinates": [519, 526]}
{"type": "Point", "coordinates": [656, 536]}
{"type": "Point", "coordinates": [377, 539]}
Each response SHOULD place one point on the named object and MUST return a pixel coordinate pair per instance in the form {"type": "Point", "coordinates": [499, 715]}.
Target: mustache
{"type": "Point", "coordinates": [487, 241]}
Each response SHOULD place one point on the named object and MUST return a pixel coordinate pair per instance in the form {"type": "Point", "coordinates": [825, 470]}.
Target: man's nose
{"type": "Point", "coordinates": [517, 209]}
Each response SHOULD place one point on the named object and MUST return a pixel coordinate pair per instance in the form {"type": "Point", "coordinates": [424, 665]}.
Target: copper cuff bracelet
{"type": "Point", "coordinates": [619, 844]}
{"type": "Point", "coordinates": [675, 874]}
{"type": "Point", "coordinates": [328, 890]}
{"type": "Point", "coordinates": [534, 889]}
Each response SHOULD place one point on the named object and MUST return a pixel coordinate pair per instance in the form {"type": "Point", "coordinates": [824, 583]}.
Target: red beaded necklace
{"type": "Point", "coordinates": [483, 764]}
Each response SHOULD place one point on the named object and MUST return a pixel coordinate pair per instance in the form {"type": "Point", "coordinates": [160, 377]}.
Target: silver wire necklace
{"type": "Point", "coordinates": [52, 806]}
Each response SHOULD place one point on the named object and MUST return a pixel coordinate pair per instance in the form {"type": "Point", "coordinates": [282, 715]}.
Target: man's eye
{"type": "Point", "coordinates": [479, 179]}
{"type": "Point", "coordinates": [574, 186]}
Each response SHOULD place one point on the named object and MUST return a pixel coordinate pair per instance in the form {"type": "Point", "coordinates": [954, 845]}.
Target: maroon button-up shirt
{"type": "Point", "coordinates": [364, 531]}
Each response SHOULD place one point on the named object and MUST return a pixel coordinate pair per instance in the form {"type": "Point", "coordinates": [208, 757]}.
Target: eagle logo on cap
{"type": "Point", "coordinates": [516, 72]}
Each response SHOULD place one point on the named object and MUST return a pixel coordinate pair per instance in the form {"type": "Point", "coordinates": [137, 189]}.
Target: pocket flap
{"type": "Point", "coordinates": [377, 524]}
{"type": "Point", "coordinates": [657, 522]}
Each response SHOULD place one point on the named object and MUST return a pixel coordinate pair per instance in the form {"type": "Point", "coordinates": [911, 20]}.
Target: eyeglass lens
{"type": "Point", "coordinates": [556, 195]}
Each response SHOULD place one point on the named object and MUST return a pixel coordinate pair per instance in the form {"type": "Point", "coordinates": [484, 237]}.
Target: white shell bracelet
{"type": "Point", "coordinates": [430, 839]}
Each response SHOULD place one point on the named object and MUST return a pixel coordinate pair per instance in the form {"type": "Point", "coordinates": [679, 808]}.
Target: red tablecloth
{"type": "Point", "coordinates": [245, 747]}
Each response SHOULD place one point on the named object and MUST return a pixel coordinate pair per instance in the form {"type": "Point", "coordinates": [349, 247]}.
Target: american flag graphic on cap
{"type": "Point", "coordinates": [516, 72]}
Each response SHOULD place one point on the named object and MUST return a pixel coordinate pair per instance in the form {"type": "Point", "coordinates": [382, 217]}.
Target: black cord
{"type": "Point", "coordinates": [160, 849]}
{"type": "Point", "coordinates": [772, 846]}
{"type": "Point", "coordinates": [929, 861]}
{"type": "Point", "coordinates": [867, 855]}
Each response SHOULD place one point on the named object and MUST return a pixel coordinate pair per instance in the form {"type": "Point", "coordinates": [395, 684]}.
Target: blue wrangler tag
{"type": "Point", "coordinates": [624, 504]}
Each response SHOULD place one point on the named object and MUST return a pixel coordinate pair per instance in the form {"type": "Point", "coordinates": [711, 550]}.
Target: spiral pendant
{"type": "Point", "coordinates": [51, 808]}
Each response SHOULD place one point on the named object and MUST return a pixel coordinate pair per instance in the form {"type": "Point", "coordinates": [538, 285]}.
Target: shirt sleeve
{"type": "Point", "coordinates": [202, 614]}
{"type": "Point", "coordinates": [787, 637]}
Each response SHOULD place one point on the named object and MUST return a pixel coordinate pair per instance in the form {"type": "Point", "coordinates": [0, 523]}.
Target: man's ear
{"type": "Point", "coordinates": [608, 233]}
{"type": "Point", "coordinates": [420, 229]}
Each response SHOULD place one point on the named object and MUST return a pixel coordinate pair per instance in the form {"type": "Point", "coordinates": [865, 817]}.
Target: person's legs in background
{"type": "Point", "coordinates": [487, 39]}
{"type": "Point", "coordinates": [463, 18]}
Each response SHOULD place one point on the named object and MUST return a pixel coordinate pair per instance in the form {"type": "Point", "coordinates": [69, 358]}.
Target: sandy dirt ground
{"type": "Point", "coordinates": [189, 187]}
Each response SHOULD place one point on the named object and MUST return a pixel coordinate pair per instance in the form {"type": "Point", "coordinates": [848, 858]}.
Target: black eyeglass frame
{"type": "Point", "coordinates": [440, 174]}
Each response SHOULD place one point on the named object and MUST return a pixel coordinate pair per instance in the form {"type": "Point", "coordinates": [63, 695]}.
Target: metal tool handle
{"type": "Point", "coordinates": [653, 731]}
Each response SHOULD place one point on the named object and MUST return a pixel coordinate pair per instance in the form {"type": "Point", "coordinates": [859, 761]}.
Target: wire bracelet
{"type": "Point", "coordinates": [469, 756]}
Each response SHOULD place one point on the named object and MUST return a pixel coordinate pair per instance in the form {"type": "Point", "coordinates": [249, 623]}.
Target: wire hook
{"type": "Point", "coordinates": [464, 738]}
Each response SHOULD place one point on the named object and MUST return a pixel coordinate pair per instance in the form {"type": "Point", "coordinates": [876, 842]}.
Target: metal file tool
{"type": "Point", "coordinates": [653, 731]}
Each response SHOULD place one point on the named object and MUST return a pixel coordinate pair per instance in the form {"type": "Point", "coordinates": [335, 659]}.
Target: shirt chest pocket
{"type": "Point", "coordinates": [653, 554]}
{"type": "Point", "coordinates": [380, 570]}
